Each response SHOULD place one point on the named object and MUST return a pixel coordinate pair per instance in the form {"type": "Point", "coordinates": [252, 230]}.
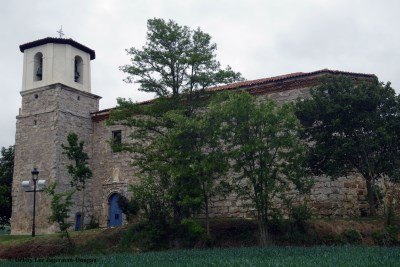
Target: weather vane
{"type": "Point", "coordinates": [60, 32]}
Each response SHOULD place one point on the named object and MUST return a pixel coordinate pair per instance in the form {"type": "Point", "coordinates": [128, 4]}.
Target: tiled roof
{"type": "Point", "coordinates": [297, 76]}
{"type": "Point", "coordinates": [54, 40]}
{"type": "Point", "coordinates": [294, 75]}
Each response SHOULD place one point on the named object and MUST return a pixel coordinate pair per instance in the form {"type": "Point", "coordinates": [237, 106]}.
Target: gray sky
{"type": "Point", "coordinates": [258, 38]}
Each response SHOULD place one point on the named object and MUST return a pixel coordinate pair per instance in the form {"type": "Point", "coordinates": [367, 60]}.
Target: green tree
{"type": "Point", "coordinates": [265, 151]}
{"type": "Point", "coordinates": [181, 167]}
{"type": "Point", "coordinates": [392, 141]}
{"type": "Point", "coordinates": [6, 176]}
{"type": "Point", "coordinates": [347, 125]}
{"type": "Point", "coordinates": [197, 160]}
{"type": "Point", "coordinates": [176, 64]}
{"type": "Point", "coordinates": [176, 59]}
{"type": "Point", "coordinates": [61, 204]}
{"type": "Point", "coordinates": [79, 170]}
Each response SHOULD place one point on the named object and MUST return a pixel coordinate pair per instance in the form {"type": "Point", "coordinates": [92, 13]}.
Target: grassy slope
{"type": "Point", "coordinates": [226, 233]}
{"type": "Point", "coordinates": [272, 256]}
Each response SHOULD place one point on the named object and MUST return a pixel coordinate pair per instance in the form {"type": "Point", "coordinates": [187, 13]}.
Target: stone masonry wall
{"type": "Point", "coordinates": [47, 115]}
{"type": "Point", "coordinates": [343, 197]}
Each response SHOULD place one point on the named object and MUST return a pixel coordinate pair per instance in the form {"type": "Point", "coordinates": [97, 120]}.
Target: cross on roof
{"type": "Point", "coordinates": [60, 32]}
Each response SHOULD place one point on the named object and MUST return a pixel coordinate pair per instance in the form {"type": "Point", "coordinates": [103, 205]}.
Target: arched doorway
{"type": "Point", "coordinates": [115, 212]}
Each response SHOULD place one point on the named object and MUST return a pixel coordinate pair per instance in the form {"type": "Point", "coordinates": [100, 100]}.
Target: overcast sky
{"type": "Point", "coordinates": [258, 38]}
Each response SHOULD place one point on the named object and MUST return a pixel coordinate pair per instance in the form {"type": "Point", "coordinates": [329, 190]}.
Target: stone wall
{"type": "Point", "coordinates": [343, 197]}
{"type": "Point", "coordinates": [47, 115]}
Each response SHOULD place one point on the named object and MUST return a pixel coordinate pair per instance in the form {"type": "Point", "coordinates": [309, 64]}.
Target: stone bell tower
{"type": "Point", "coordinates": [56, 100]}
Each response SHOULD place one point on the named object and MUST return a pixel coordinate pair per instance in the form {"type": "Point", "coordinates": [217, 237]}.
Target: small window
{"type": "Point", "coordinates": [36, 96]}
{"type": "Point", "coordinates": [34, 122]}
{"type": "Point", "coordinates": [117, 137]}
{"type": "Point", "coordinates": [78, 70]}
{"type": "Point", "coordinates": [79, 98]}
{"type": "Point", "coordinates": [38, 67]}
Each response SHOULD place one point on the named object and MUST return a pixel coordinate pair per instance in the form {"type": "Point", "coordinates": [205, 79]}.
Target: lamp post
{"type": "Point", "coordinates": [27, 187]}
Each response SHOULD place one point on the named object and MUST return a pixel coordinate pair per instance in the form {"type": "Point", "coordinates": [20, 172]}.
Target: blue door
{"type": "Point", "coordinates": [78, 221]}
{"type": "Point", "coordinates": [115, 211]}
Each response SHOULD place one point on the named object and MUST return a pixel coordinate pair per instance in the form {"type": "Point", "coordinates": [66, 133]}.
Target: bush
{"type": "Point", "coordinates": [299, 216]}
{"type": "Point", "coordinates": [352, 236]}
{"type": "Point", "coordinates": [277, 225]}
{"type": "Point", "coordinates": [193, 231]}
{"type": "Point", "coordinates": [147, 235]}
{"type": "Point", "coordinates": [388, 237]}
{"type": "Point", "coordinates": [130, 207]}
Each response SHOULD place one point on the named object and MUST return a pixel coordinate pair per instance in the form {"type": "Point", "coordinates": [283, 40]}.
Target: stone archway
{"type": "Point", "coordinates": [114, 211]}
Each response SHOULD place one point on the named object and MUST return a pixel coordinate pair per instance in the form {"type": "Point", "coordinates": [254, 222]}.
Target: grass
{"type": "Point", "coordinates": [254, 256]}
{"type": "Point", "coordinates": [7, 239]}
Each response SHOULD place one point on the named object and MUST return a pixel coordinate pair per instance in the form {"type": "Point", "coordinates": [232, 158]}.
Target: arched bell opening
{"type": "Point", "coordinates": [38, 67]}
{"type": "Point", "coordinates": [78, 69]}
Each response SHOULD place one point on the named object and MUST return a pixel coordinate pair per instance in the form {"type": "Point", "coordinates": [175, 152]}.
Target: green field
{"type": "Point", "coordinates": [271, 256]}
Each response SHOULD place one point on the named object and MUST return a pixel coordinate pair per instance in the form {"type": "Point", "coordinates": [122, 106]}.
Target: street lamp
{"type": "Point", "coordinates": [27, 187]}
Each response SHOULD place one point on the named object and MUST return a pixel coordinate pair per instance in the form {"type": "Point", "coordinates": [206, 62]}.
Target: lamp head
{"type": "Point", "coordinates": [35, 174]}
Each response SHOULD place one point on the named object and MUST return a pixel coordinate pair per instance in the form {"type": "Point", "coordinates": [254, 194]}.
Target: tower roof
{"type": "Point", "coordinates": [54, 40]}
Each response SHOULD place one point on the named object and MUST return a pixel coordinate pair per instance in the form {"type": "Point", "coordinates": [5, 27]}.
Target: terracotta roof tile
{"type": "Point", "coordinates": [258, 82]}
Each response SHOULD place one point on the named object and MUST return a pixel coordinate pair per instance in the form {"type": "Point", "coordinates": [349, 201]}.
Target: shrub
{"type": "Point", "coordinates": [277, 225]}
{"type": "Point", "coordinates": [299, 216]}
{"type": "Point", "coordinates": [352, 236]}
{"type": "Point", "coordinates": [387, 237]}
{"type": "Point", "coordinates": [130, 207]}
{"type": "Point", "coordinates": [190, 232]}
{"type": "Point", "coordinates": [147, 235]}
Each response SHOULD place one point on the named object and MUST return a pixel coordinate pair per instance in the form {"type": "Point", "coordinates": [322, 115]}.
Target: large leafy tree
{"type": "Point", "coordinates": [265, 151]}
{"type": "Point", "coordinates": [6, 175]}
{"type": "Point", "coordinates": [349, 126]}
{"type": "Point", "coordinates": [168, 135]}
{"type": "Point", "coordinates": [176, 59]}
{"type": "Point", "coordinates": [181, 168]}
{"type": "Point", "coordinates": [79, 169]}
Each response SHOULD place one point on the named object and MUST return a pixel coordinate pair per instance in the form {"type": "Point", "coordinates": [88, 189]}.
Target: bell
{"type": "Point", "coordinates": [39, 72]}
{"type": "Point", "coordinates": [77, 75]}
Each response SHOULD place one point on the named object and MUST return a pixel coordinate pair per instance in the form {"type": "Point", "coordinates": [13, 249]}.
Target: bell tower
{"type": "Point", "coordinates": [56, 60]}
{"type": "Point", "coordinates": [56, 100]}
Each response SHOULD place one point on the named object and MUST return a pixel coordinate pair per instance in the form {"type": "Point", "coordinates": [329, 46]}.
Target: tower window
{"type": "Point", "coordinates": [34, 122]}
{"type": "Point", "coordinates": [36, 96]}
{"type": "Point", "coordinates": [79, 98]}
{"type": "Point", "coordinates": [78, 69]}
{"type": "Point", "coordinates": [38, 67]}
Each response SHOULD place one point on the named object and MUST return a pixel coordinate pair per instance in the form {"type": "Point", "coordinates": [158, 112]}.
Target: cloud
{"type": "Point", "coordinates": [258, 38]}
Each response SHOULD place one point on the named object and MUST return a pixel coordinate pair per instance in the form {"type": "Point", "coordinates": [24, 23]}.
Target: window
{"type": "Point", "coordinates": [38, 67]}
{"type": "Point", "coordinates": [78, 69]}
{"type": "Point", "coordinates": [116, 141]}
{"type": "Point", "coordinates": [116, 137]}
{"type": "Point", "coordinates": [36, 96]}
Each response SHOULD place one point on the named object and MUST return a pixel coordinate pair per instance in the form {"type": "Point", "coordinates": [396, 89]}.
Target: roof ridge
{"type": "Point", "coordinates": [58, 40]}
{"type": "Point", "coordinates": [261, 81]}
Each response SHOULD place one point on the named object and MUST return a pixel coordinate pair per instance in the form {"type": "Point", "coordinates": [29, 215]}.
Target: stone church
{"type": "Point", "coordinates": [57, 99]}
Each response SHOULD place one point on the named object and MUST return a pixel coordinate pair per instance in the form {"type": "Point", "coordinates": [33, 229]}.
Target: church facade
{"type": "Point", "coordinates": [57, 99]}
